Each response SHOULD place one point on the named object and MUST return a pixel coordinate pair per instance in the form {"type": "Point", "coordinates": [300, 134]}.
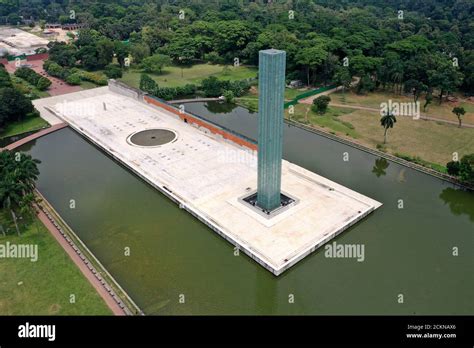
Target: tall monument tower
{"type": "Point", "coordinates": [271, 70]}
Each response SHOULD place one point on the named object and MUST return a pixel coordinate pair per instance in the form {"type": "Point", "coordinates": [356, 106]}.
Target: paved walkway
{"type": "Point", "coordinates": [35, 136]}
{"type": "Point", "coordinates": [114, 307]}
{"type": "Point", "coordinates": [422, 116]}
{"type": "Point", "coordinates": [58, 86]}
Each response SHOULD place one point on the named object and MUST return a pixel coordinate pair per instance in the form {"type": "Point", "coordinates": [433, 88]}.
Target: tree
{"type": "Point", "coordinates": [27, 208]}
{"type": "Point", "coordinates": [183, 49]}
{"type": "Point", "coordinates": [14, 106]}
{"type": "Point", "coordinates": [445, 77]}
{"type": "Point", "coordinates": [10, 196]}
{"type": "Point", "coordinates": [105, 52]}
{"type": "Point", "coordinates": [155, 37]}
{"type": "Point", "coordinates": [320, 104]}
{"type": "Point", "coordinates": [229, 96]}
{"type": "Point", "coordinates": [459, 112]}
{"type": "Point", "coordinates": [311, 58]}
{"type": "Point", "coordinates": [122, 51]}
{"type": "Point", "coordinates": [453, 168]}
{"type": "Point", "coordinates": [428, 100]}
{"type": "Point", "coordinates": [343, 78]}
{"type": "Point", "coordinates": [5, 81]}
{"type": "Point", "coordinates": [139, 52]}
{"type": "Point", "coordinates": [415, 87]}
{"type": "Point", "coordinates": [63, 54]}
{"type": "Point", "coordinates": [366, 84]}
{"type": "Point", "coordinates": [231, 37]}
{"type": "Point", "coordinates": [466, 168]}
{"type": "Point", "coordinates": [212, 87]}
{"type": "Point", "coordinates": [155, 63]}
{"type": "Point", "coordinates": [88, 57]}
{"type": "Point", "coordinates": [387, 121]}
{"type": "Point", "coordinates": [18, 174]}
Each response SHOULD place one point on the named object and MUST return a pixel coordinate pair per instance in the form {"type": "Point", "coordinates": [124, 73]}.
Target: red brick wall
{"type": "Point", "coordinates": [191, 119]}
{"type": "Point", "coordinates": [41, 56]}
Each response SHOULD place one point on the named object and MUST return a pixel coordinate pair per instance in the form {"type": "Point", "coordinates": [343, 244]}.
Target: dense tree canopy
{"type": "Point", "coordinates": [411, 46]}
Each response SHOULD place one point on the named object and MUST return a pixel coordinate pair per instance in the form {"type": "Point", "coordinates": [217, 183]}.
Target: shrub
{"type": "Point", "coordinates": [229, 96]}
{"type": "Point", "coordinates": [95, 78]}
{"type": "Point", "coordinates": [214, 87]}
{"type": "Point", "coordinates": [453, 167]}
{"type": "Point", "coordinates": [320, 104]}
{"type": "Point", "coordinates": [32, 77]}
{"type": "Point", "coordinates": [466, 168]}
{"type": "Point", "coordinates": [43, 84]}
{"type": "Point", "coordinates": [186, 90]}
{"type": "Point", "coordinates": [166, 93]}
{"type": "Point", "coordinates": [149, 85]}
{"type": "Point", "coordinates": [74, 79]}
{"type": "Point", "coordinates": [56, 70]}
{"type": "Point", "coordinates": [113, 71]}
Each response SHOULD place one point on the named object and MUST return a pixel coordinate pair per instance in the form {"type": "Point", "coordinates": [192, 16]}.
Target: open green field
{"type": "Point", "coordinates": [28, 124]}
{"type": "Point", "coordinates": [374, 99]}
{"type": "Point", "coordinates": [331, 120]}
{"type": "Point", "coordinates": [43, 287]}
{"type": "Point", "coordinates": [174, 76]}
{"type": "Point", "coordinates": [431, 141]}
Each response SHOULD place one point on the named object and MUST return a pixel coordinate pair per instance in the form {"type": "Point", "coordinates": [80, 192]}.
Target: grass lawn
{"type": "Point", "coordinates": [432, 141]}
{"type": "Point", "coordinates": [428, 141]}
{"type": "Point", "coordinates": [373, 100]}
{"type": "Point", "coordinates": [331, 120]}
{"type": "Point", "coordinates": [44, 287]}
{"type": "Point", "coordinates": [28, 124]}
{"type": "Point", "coordinates": [171, 76]}
{"type": "Point", "coordinates": [291, 93]}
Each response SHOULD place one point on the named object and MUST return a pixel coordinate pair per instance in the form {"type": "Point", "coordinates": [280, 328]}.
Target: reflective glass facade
{"type": "Point", "coordinates": [271, 81]}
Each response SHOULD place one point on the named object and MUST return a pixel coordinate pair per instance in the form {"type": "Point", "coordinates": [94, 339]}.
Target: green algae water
{"type": "Point", "coordinates": [408, 251]}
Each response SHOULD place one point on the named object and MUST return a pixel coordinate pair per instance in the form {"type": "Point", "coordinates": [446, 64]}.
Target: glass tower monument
{"type": "Point", "coordinates": [271, 70]}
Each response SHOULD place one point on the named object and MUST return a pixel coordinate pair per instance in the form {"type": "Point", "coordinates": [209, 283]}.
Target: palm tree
{"type": "Point", "coordinates": [387, 121]}
{"type": "Point", "coordinates": [18, 173]}
{"type": "Point", "coordinates": [27, 172]}
{"type": "Point", "coordinates": [27, 208]}
{"type": "Point", "coordinates": [10, 196]}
